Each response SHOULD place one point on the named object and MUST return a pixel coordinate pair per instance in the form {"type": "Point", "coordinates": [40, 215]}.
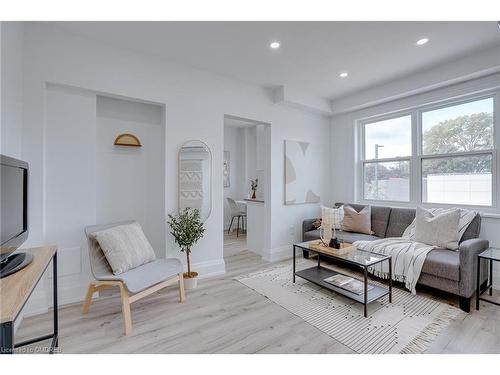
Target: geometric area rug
{"type": "Point", "coordinates": [407, 325]}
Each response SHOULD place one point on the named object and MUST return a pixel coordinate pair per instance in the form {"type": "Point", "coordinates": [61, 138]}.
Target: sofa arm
{"type": "Point", "coordinates": [468, 251]}
{"type": "Point", "coordinates": [307, 225]}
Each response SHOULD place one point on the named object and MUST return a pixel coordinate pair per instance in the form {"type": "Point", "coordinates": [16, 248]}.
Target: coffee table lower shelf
{"type": "Point", "coordinates": [317, 275]}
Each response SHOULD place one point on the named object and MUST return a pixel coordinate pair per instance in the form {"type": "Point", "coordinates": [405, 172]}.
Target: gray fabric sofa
{"type": "Point", "coordinates": [451, 271]}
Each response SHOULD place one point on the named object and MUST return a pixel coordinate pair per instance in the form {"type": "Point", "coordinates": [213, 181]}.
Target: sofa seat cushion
{"type": "Point", "coordinates": [443, 263]}
{"type": "Point", "coordinates": [349, 237]}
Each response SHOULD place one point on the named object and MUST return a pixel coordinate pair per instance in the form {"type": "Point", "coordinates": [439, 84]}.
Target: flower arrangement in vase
{"type": "Point", "coordinates": [253, 185]}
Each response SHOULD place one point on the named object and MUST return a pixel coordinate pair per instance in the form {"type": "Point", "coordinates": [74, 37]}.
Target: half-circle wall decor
{"type": "Point", "coordinates": [127, 139]}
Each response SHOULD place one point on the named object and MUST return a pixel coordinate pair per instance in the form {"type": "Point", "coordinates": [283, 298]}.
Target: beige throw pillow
{"type": "Point", "coordinates": [125, 247]}
{"type": "Point", "coordinates": [355, 221]}
{"type": "Point", "coordinates": [437, 229]}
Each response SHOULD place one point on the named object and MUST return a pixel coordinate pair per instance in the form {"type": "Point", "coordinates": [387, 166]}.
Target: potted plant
{"type": "Point", "coordinates": [253, 185]}
{"type": "Point", "coordinates": [187, 228]}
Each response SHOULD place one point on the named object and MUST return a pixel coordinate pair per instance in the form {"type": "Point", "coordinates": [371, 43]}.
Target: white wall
{"type": "Point", "coordinates": [131, 181]}
{"type": "Point", "coordinates": [287, 220]}
{"type": "Point", "coordinates": [195, 104]}
{"type": "Point", "coordinates": [344, 145]}
{"type": "Point", "coordinates": [11, 87]}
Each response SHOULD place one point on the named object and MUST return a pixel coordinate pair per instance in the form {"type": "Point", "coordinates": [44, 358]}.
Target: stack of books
{"type": "Point", "coordinates": [348, 283]}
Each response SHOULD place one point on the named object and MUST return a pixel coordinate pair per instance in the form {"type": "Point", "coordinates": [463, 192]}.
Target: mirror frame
{"type": "Point", "coordinates": [179, 180]}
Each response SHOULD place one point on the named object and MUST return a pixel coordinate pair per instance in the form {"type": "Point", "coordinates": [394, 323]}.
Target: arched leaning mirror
{"type": "Point", "coordinates": [195, 177]}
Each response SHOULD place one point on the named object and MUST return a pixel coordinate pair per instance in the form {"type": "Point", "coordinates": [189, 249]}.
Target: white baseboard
{"type": "Point", "coordinates": [277, 253]}
{"type": "Point", "coordinates": [210, 268]}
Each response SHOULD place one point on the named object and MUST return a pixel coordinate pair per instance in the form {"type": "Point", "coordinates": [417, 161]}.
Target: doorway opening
{"type": "Point", "coordinates": [245, 164]}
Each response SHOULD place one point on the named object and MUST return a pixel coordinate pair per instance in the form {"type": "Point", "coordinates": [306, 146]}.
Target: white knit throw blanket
{"type": "Point", "coordinates": [408, 257]}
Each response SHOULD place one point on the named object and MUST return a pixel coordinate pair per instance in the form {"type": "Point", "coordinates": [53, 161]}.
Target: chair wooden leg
{"type": "Point", "coordinates": [230, 225]}
{"type": "Point", "coordinates": [88, 298]}
{"type": "Point", "coordinates": [238, 227]}
{"type": "Point", "coordinates": [181, 287]}
{"type": "Point", "coordinates": [127, 318]}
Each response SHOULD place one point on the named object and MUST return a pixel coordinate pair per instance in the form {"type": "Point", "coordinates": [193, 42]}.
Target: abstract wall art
{"type": "Point", "coordinates": [302, 177]}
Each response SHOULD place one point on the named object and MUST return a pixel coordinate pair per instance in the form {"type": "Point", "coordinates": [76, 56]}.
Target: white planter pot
{"type": "Point", "coordinates": [190, 283]}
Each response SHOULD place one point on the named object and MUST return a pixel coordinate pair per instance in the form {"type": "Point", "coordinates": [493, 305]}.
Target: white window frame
{"type": "Point", "coordinates": [417, 155]}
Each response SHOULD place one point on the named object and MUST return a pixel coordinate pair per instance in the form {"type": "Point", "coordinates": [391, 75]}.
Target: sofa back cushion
{"type": "Point", "coordinates": [473, 229]}
{"type": "Point", "coordinates": [380, 220]}
{"type": "Point", "coordinates": [399, 219]}
{"type": "Point", "coordinates": [379, 217]}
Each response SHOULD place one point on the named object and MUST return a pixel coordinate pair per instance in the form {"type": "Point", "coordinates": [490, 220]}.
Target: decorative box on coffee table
{"type": "Point", "coordinates": [348, 254]}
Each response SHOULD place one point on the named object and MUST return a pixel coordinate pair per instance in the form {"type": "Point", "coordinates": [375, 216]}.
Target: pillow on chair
{"type": "Point", "coordinates": [125, 247]}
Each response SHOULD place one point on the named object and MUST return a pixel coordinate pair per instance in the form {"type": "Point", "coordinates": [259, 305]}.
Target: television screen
{"type": "Point", "coordinates": [12, 199]}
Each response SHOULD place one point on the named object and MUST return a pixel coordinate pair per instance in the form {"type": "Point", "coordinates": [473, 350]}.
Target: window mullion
{"type": "Point", "coordinates": [416, 164]}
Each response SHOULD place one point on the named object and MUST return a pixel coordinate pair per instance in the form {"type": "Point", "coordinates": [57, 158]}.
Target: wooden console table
{"type": "Point", "coordinates": [16, 289]}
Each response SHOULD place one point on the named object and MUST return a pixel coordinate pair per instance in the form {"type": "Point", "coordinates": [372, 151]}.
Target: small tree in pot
{"type": "Point", "coordinates": [187, 228]}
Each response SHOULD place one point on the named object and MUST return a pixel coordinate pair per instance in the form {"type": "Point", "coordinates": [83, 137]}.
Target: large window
{"type": "Point", "coordinates": [453, 163]}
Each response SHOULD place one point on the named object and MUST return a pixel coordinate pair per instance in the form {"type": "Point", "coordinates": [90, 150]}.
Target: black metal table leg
{"type": "Point", "coordinates": [491, 277]}
{"type": "Point", "coordinates": [7, 343]}
{"type": "Point", "coordinates": [55, 339]}
{"type": "Point", "coordinates": [294, 263]}
{"type": "Point", "coordinates": [7, 338]}
{"type": "Point", "coordinates": [390, 280]}
{"type": "Point", "coordinates": [478, 292]}
{"type": "Point", "coordinates": [366, 293]}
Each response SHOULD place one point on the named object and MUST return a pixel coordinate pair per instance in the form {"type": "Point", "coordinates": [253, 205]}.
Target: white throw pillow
{"type": "Point", "coordinates": [466, 217]}
{"type": "Point", "coordinates": [125, 247]}
{"type": "Point", "coordinates": [437, 229]}
{"type": "Point", "coordinates": [333, 216]}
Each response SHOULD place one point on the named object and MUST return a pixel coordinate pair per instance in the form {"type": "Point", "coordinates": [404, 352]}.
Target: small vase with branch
{"type": "Point", "coordinates": [187, 228]}
{"type": "Point", "coordinates": [253, 185]}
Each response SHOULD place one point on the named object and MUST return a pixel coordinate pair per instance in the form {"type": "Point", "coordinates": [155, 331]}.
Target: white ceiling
{"type": "Point", "coordinates": [312, 54]}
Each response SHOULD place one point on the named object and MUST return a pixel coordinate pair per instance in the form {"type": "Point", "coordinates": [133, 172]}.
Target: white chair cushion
{"type": "Point", "coordinates": [125, 247]}
{"type": "Point", "coordinates": [148, 274]}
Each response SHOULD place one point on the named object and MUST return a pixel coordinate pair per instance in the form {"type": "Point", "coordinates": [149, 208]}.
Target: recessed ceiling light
{"type": "Point", "coordinates": [422, 41]}
{"type": "Point", "coordinates": [343, 75]}
{"type": "Point", "coordinates": [275, 45]}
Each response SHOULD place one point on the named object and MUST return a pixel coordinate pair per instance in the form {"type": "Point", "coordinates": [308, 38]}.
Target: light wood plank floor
{"type": "Point", "coordinates": [224, 316]}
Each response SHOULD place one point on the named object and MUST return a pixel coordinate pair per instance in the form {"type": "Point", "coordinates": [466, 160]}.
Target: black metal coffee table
{"type": "Point", "coordinates": [361, 258]}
